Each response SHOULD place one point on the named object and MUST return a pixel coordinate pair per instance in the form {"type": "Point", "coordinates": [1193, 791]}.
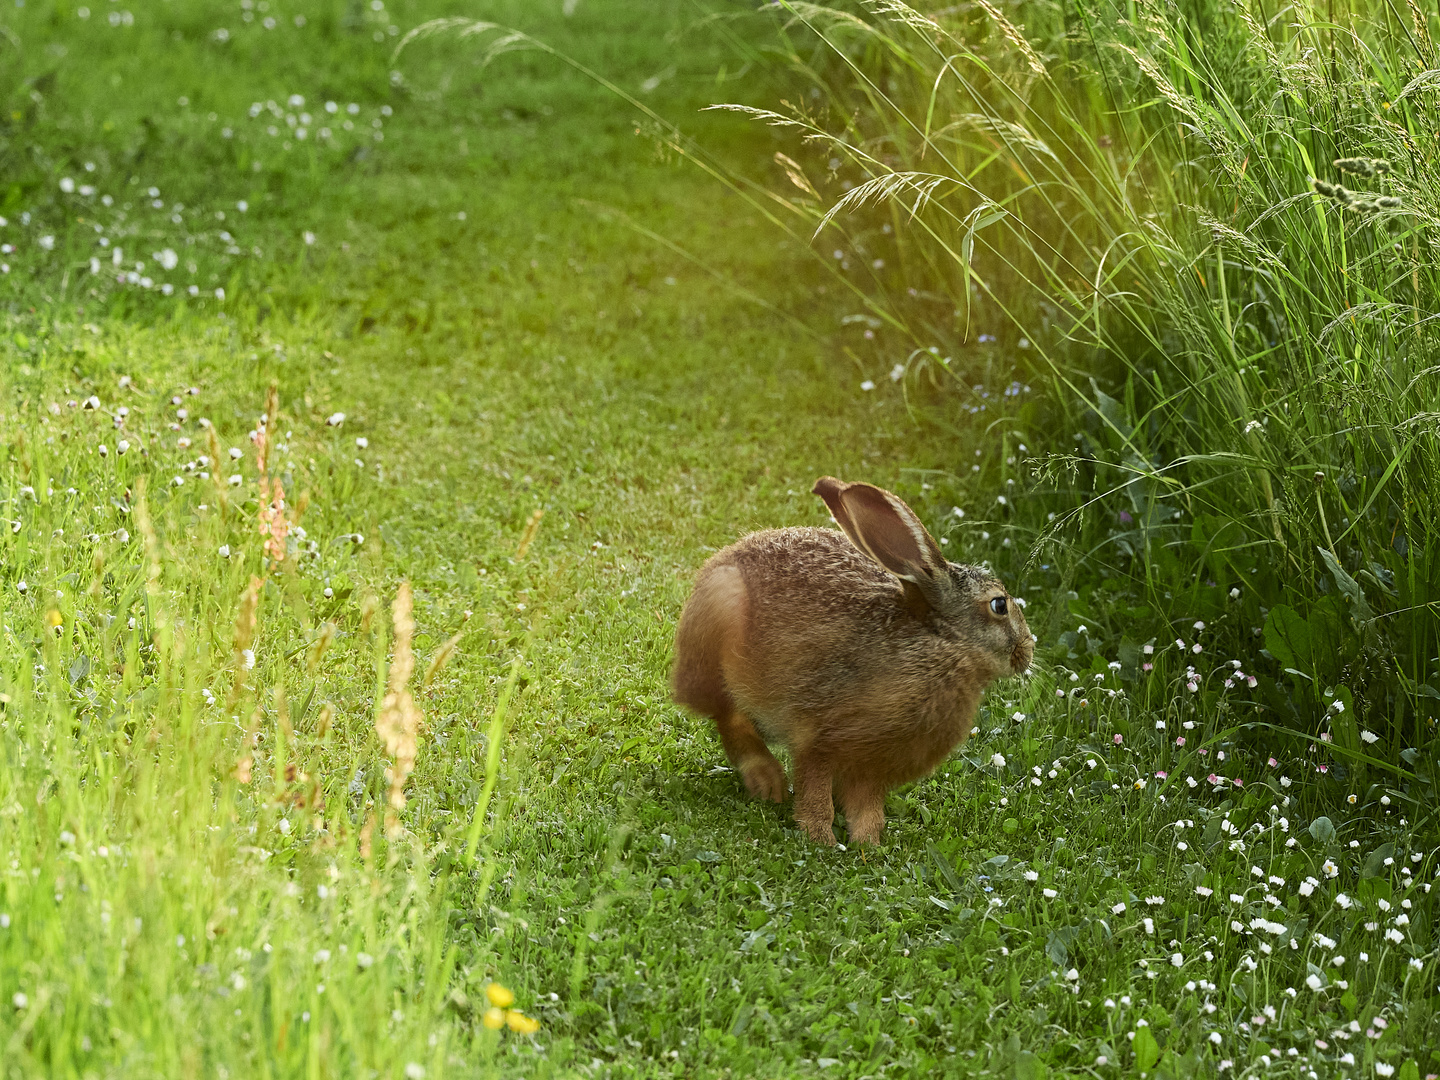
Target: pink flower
{"type": "Point", "coordinates": [1272, 763]}
{"type": "Point", "coordinates": [1238, 782]}
{"type": "Point", "coordinates": [1180, 741]}
{"type": "Point", "coordinates": [1161, 775]}
{"type": "Point", "coordinates": [1203, 752]}
{"type": "Point", "coordinates": [1324, 769]}
{"type": "Point", "coordinates": [1147, 667]}
{"type": "Point", "coordinates": [1252, 681]}
{"type": "Point", "coordinates": [1325, 736]}
{"type": "Point", "coordinates": [1215, 779]}
{"type": "Point", "coordinates": [1119, 738]}
{"type": "Point", "coordinates": [273, 525]}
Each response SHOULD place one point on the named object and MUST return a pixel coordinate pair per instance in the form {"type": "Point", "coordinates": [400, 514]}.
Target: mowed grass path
{"type": "Point", "coordinates": [1027, 910]}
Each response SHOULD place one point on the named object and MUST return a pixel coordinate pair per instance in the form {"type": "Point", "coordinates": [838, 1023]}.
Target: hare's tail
{"type": "Point", "coordinates": [712, 625]}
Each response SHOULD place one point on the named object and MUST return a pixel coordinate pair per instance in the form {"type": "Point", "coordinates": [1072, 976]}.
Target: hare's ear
{"type": "Point", "coordinates": [883, 527]}
{"type": "Point", "coordinates": [829, 489]}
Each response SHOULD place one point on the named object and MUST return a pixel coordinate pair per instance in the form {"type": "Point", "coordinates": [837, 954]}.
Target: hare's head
{"type": "Point", "coordinates": [969, 604]}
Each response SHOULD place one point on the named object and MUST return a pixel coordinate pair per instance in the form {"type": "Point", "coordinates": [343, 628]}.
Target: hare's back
{"type": "Point", "coordinates": [807, 570]}
{"type": "Point", "coordinates": [820, 615]}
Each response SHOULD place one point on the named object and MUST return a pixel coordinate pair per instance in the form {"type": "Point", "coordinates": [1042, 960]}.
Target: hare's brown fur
{"type": "Point", "coordinates": [795, 637]}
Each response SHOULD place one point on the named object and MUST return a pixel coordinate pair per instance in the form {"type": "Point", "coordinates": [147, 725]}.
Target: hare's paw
{"type": "Point", "coordinates": [764, 778]}
{"type": "Point", "coordinates": [818, 831]}
{"type": "Point", "coordinates": [866, 831]}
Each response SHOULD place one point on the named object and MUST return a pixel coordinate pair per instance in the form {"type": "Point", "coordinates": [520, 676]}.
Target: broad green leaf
{"type": "Point", "coordinates": [1348, 586]}
{"type": "Point", "coordinates": [1375, 861]}
{"type": "Point", "coordinates": [1147, 1050]}
{"type": "Point", "coordinates": [1287, 637]}
{"type": "Point", "coordinates": [1029, 1067]}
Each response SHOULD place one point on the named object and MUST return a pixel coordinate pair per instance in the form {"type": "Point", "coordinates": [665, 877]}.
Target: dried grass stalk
{"type": "Point", "coordinates": [441, 657]}
{"type": "Point", "coordinates": [246, 619]}
{"type": "Point", "coordinates": [532, 527]}
{"type": "Point", "coordinates": [398, 724]}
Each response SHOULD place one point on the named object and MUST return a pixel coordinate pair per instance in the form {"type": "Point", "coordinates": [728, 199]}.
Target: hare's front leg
{"type": "Point", "coordinates": [863, 800]}
{"type": "Point", "coordinates": [763, 776]}
{"type": "Point", "coordinates": [814, 803]}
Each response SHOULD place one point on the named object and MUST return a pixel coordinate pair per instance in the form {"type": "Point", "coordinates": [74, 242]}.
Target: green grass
{"type": "Point", "coordinates": [539, 356]}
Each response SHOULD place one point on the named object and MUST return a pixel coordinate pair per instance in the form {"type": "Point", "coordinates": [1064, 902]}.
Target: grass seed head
{"type": "Point", "coordinates": [532, 527]}
{"type": "Point", "coordinates": [1356, 166]}
{"type": "Point", "coordinates": [398, 724]}
{"type": "Point", "coordinates": [217, 456]}
{"type": "Point", "coordinates": [246, 619]}
{"type": "Point", "coordinates": [441, 658]}
{"type": "Point", "coordinates": [282, 714]}
{"type": "Point", "coordinates": [322, 643]}
{"type": "Point", "coordinates": [369, 606]}
{"type": "Point", "coordinates": [149, 536]}
{"type": "Point", "coordinates": [97, 575]}
{"type": "Point", "coordinates": [367, 835]}
{"type": "Point", "coordinates": [245, 763]}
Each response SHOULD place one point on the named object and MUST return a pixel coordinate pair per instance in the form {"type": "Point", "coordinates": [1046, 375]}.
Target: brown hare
{"type": "Point", "coordinates": [864, 654]}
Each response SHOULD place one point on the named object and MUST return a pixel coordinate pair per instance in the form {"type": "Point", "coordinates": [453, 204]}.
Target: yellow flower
{"type": "Point", "coordinates": [518, 1021]}
{"type": "Point", "coordinates": [500, 997]}
{"type": "Point", "coordinates": [494, 1019]}
{"type": "Point", "coordinates": [53, 618]}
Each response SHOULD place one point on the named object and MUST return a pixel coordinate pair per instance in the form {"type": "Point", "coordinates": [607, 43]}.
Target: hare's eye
{"type": "Point", "coordinates": [998, 605]}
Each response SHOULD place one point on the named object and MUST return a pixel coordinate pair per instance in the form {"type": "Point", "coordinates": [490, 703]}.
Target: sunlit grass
{"type": "Point", "coordinates": [1143, 205]}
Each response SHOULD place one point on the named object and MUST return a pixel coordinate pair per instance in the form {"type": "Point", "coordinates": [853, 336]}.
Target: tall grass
{"type": "Point", "coordinates": [208, 729]}
{"type": "Point", "coordinates": [1243, 355]}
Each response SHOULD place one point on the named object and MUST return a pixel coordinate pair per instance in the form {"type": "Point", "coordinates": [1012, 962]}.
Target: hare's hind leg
{"type": "Point", "coordinates": [710, 634]}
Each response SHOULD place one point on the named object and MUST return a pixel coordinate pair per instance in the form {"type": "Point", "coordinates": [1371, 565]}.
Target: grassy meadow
{"type": "Point", "coordinates": [355, 465]}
